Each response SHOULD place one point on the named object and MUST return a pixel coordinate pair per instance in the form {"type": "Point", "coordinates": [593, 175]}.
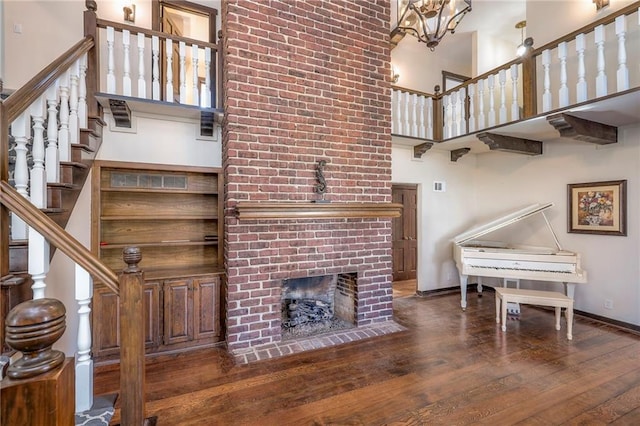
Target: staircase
{"type": "Point", "coordinates": [50, 132]}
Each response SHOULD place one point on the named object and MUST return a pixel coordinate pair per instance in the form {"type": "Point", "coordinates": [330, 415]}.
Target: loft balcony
{"type": "Point", "coordinates": [582, 86]}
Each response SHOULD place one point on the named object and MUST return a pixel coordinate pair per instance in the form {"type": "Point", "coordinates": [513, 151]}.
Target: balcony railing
{"type": "Point", "coordinates": [597, 61]}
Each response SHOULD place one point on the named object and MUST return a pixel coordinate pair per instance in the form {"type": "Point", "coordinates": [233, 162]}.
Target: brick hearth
{"type": "Point", "coordinates": [306, 80]}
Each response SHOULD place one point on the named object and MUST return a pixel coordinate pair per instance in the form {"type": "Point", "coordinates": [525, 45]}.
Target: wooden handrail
{"type": "Point", "coordinates": [589, 27]}
{"type": "Point", "coordinates": [42, 223]}
{"type": "Point", "coordinates": [22, 98]}
{"type": "Point", "coordinates": [103, 23]}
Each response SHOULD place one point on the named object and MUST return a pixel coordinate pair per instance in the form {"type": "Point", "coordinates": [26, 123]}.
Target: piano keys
{"type": "Point", "coordinates": [499, 260]}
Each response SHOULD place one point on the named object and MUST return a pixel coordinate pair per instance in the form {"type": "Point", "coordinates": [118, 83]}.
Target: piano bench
{"type": "Point", "coordinates": [534, 297]}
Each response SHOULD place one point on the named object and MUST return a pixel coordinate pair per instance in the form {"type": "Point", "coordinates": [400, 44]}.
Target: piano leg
{"type": "Point", "coordinates": [479, 286]}
{"type": "Point", "coordinates": [463, 291]}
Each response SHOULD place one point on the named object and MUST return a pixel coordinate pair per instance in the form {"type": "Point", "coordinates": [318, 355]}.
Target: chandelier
{"type": "Point", "coordinates": [429, 20]}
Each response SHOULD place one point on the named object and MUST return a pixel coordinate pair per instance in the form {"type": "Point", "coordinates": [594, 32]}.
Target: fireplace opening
{"type": "Point", "coordinates": [314, 305]}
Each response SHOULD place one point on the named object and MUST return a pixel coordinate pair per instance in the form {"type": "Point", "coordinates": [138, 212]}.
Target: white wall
{"type": "Point", "coordinates": [548, 20]}
{"type": "Point", "coordinates": [421, 69]}
{"type": "Point", "coordinates": [509, 181]}
{"type": "Point", "coordinates": [50, 27]}
{"type": "Point", "coordinates": [441, 215]}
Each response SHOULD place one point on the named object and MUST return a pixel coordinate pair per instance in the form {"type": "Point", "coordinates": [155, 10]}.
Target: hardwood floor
{"type": "Point", "coordinates": [448, 368]}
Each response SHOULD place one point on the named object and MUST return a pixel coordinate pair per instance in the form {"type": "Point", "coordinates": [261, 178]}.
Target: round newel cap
{"type": "Point", "coordinates": [35, 312]}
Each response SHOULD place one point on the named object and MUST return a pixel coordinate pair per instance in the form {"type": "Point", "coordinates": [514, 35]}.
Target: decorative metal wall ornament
{"type": "Point", "coordinates": [321, 186]}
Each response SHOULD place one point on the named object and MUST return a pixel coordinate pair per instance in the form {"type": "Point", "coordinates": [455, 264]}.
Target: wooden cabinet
{"type": "Point", "coordinates": [174, 214]}
{"type": "Point", "coordinates": [179, 313]}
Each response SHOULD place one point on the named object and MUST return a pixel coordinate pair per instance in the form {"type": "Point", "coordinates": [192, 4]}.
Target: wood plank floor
{"type": "Point", "coordinates": [449, 368]}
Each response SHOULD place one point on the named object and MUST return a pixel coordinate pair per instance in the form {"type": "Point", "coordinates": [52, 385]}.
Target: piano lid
{"type": "Point", "coordinates": [500, 223]}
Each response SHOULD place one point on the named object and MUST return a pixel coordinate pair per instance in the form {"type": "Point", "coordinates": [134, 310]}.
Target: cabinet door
{"type": "Point", "coordinates": [178, 311]}
{"type": "Point", "coordinates": [106, 319]}
{"type": "Point", "coordinates": [206, 307]}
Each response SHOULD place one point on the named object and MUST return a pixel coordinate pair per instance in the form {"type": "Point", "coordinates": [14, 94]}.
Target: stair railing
{"type": "Point", "coordinates": [50, 110]}
{"type": "Point", "coordinates": [593, 62]}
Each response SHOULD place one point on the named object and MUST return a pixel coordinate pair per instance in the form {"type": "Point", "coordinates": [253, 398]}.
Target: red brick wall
{"type": "Point", "coordinates": [305, 80]}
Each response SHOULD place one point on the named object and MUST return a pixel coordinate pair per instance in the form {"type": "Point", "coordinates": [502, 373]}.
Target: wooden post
{"type": "Point", "coordinates": [529, 94]}
{"type": "Point", "coordinates": [4, 176]}
{"type": "Point", "coordinates": [438, 118]}
{"type": "Point", "coordinates": [93, 58]}
{"type": "Point", "coordinates": [132, 363]}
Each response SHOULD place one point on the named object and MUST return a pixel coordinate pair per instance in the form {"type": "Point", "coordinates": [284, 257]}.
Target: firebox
{"type": "Point", "coordinates": [314, 305]}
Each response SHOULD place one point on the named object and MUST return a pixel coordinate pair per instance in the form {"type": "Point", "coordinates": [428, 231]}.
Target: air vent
{"type": "Point", "coordinates": [148, 181]}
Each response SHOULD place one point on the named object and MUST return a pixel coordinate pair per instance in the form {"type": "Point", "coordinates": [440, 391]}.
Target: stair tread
{"type": "Point", "coordinates": [62, 185]}
{"type": "Point", "coordinates": [83, 147]}
{"type": "Point", "coordinates": [74, 164]}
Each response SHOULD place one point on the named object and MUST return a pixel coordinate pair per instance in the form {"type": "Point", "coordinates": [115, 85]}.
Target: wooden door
{"type": "Point", "coordinates": [178, 311]}
{"type": "Point", "coordinates": [405, 233]}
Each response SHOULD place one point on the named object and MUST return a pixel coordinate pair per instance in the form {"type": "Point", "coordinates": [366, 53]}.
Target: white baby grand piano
{"type": "Point", "coordinates": [497, 259]}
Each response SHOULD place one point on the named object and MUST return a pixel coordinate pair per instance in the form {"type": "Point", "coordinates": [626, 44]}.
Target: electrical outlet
{"type": "Point", "coordinates": [608, 304]}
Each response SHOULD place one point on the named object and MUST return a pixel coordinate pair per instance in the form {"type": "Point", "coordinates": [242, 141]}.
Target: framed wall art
{"type": "Point", "coordinates": [598, 207]}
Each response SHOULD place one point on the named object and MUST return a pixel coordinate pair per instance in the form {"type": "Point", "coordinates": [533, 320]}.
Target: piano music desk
{"type": "Point", "coordinates": [534, 297]}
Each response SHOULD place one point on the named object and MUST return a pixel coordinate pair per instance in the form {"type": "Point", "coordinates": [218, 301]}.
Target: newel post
{"type": "Point", "coordinates": [132, 387]}
{"type": "Point", "coordinates": [93, 58]}
{"type": "Point", "coordinates": [529, 93]}
{"type": "Point", "coordinates": [438, 116]}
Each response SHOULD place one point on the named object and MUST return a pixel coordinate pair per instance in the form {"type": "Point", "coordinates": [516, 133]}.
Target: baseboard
{"type": "Point", "coordinates": [609, 321]}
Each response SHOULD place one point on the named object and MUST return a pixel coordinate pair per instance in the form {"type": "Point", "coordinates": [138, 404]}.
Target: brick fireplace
{"type": "Point", "coordinates": [305, 81]}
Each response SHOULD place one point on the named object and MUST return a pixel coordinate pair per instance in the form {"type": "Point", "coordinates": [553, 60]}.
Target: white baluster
{"type": "Point", "coordinates": [38, 265]}
{"type": "Point", "coordinates": [472, 111]}
{"type": "Point", "coordinates": [64, 147]}
{"type": "Point", "coordinates": [52, 162]}
{"type": "Point", "coordinates": [448, 116]}
{"type": "Point", "coordinates": [563, 92]}
{"type": "Point", "coordinates": [414, 115]}
{"type": "Point", "coordinates": [74, 125]}
{"type": "Point", "coordinates": [142, 84]}
{"type": "Point", "coordinates": [183, 70]}
{"type": "Point", "coordinates": [546, 94]}
{"type": "Point", "coordinates": [38, 262]}
{"type": "Point", "coordinates": [155, 68]}
{"type": "Point", "coordinates": [462, 94]}
{"type": "Point", "coordinates": [84, 363]}
{"type": "Point", "coordinates": [429, 117]}
{"type": "Point", "coordinates": [581, 86]}
{"type": "Point", "coordinates": [601, 77]}
{"type": "Point", "coordinates": [481, 117]}
{"type": "Point", "coordinates": [194, 67]}
{"type": "Point", "coordinates": [622, 76]}
{"type": "Point", "coordinates": [169, 83]}
{"type": "Point", "coordinates": [515, 107]}
{"type": "Point", "coordinates": [207, 77]}
{"type": "Point", "coordinates": [21, 132]}
{"type": "Point", "coordinates": [82, 93]}
{"type": "Point", "coordinates": [421, 129]}
{"type": "Point", "coordinates": [502, 78]}
{"type": "Point", "coordinates": [492, 111]}
{"type": "Point", "coordinates": [126, 64]}
{"type": "Point", "coordinates": [111, 63]}
{"type": "Point", "coordinates": [38, 184]}
{"type": "Point", "coordinates": [394, 111]}
{"type": "Point", "coordinates": [455, 116]}
{"type": "Point", "coordinates": [406, 127]}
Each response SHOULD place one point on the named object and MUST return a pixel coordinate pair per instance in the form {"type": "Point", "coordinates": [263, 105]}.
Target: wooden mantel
{"type": "Point", "coordinates": [309, 210]}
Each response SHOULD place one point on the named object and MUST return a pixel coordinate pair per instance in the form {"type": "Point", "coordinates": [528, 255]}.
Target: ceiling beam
{"type": "Point", "coordinates": [570, 126]}
{"type": "Point", "coordinates": [506, 143]}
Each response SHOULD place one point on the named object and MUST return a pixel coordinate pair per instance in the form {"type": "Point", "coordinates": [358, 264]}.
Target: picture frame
{"type": "Point", "coordinates": [597, 208]}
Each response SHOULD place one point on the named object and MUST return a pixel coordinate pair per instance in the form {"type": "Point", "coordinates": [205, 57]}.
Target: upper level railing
{"type": "Point", "coordinates": [597, 60]}
{"type": "Point", "coordinates": [152, 65]}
